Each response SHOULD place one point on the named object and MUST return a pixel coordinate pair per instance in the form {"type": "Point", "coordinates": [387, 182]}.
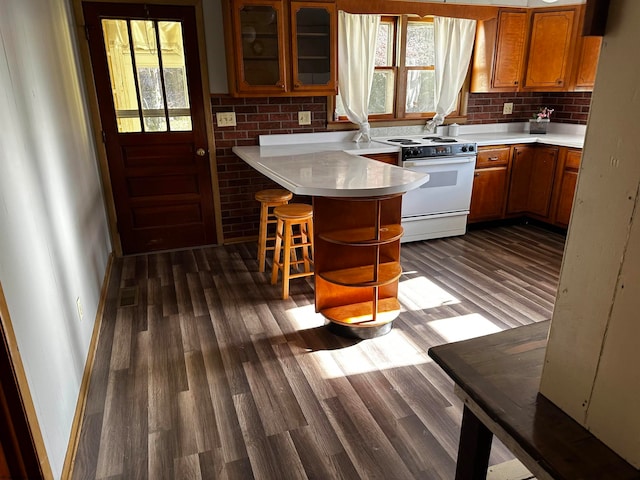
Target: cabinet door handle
{"type": "Point", "coordinates": [477, 174]}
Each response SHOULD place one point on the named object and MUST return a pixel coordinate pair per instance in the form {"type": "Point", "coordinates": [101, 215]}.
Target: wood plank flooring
{"type": "Point", "coordinates": [203, 372]}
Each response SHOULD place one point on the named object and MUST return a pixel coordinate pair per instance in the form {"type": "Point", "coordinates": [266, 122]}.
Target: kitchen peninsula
{"type": "Point", "coordinates": [356, 206]}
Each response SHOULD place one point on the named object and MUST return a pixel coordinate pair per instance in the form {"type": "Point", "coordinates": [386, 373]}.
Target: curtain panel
{"type": "Point", "coordinates": [356, 63]}
{"type": "Point", "coordinates": [454, 39]}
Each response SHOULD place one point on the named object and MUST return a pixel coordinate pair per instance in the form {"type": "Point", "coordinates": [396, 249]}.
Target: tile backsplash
{"type": "Point", "coordinates": [238, 182]}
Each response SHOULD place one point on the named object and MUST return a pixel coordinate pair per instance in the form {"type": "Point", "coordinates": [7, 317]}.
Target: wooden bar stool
{"type": "Point", "coordinates": [269, 199]}
{"type": "Point", "coordinates": [284, 258]}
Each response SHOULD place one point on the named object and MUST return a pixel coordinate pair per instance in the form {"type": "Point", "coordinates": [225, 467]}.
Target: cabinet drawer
{"type": "Point", "coordinates": [493, 157]}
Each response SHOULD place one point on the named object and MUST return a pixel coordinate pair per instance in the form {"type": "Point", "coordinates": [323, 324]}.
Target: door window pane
{"type": "Point", "coordinates": [143, 96]}
{"type": "Point", "coordinates": [148, 66]}
{"type": "Point", "coordinates": [125, 97]}
{"type": "Point", "coordinates": [175, 81]}
{"type": "Point", "coordinates": [175, 78]}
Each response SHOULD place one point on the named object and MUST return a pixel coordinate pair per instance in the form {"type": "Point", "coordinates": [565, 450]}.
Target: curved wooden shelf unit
{"type": "Point", "coordinates": [361, 314]}
{"type": "Point", "coordinates": [365, 237]}
{"type": "Point", "coordinates": [364, 276]}
{"type": "Point", "coordinates": [362, 234]}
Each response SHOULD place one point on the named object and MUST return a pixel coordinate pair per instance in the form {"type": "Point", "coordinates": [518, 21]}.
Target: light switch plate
{"type": "Point", "coordinates": [507, 108]}
{"type": "Point", "coordinates": [304, 118]}
{"type": "Point", "coordinates": [226, 119]}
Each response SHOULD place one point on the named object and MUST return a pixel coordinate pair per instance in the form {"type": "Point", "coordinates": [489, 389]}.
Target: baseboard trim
{"type": "Point", "coordinates": [76, 426]}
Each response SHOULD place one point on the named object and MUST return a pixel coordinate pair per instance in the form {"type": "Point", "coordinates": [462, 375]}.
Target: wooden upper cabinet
{"type": "Point", "coordinates": [259, 53]}
{"type": "Point", "coordinates": [280, 48]}
{"type": "Point", "coordinates": [512, 31]}
{"type": "Point", "coordinates": [313, 27]}
{"type": "Point", "coordinates": [587, 62]}
{"type": "Point", "coordinates": [550, 49]}
{"type": "Point", "coordinates": [536, 49]}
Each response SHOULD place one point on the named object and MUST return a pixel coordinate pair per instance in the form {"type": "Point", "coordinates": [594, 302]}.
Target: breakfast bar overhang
{"type": "Point", "coordinates": [357, 229]}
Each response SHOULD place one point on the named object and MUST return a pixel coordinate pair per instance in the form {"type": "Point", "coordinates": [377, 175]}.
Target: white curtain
{"type": "Point", "coordinates": [453, 46]}
{"type": "Point", "coordinates": [356, 61]}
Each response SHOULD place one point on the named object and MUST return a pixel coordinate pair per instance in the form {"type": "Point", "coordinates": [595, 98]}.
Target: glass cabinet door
{"type": "Point", "coordinates": [313, 46]}
{"type": "Point", "coordinates": [259, 32]}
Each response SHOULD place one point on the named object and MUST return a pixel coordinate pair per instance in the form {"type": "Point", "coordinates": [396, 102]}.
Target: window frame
{"type": "Point", "coordinates": [401, 70]}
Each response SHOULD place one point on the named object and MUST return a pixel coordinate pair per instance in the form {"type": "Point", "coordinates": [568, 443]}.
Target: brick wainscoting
{"type": "Point", "coordinates": [275, 115]}
{"type": "Point", "coordinates": [238, 182]}
{"type": "Point", "coordinates": [568, 107]}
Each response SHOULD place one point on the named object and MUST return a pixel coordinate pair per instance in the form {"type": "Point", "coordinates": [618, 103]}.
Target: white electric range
{"type": "Point", "coordinates": [438, 208]}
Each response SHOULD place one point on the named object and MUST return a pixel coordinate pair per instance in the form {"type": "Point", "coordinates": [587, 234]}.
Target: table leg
{"type": "Point", "coordinates": [474, 448]}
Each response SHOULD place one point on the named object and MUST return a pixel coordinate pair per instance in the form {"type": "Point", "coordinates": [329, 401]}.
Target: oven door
{"type": "Point", "coordinates": [448, 189]}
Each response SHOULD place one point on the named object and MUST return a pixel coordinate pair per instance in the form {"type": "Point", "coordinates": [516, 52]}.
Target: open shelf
{"type": "Point", "coordinates": [364, 276]}
{"type": "Point", "coordinates": [361, 314]}
{"type": "Point", "coordinates": [364, 236]}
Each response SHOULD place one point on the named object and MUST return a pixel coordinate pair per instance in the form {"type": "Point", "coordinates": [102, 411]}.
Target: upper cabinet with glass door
{"type": "Point", "coordinates": [280, 48]}
{"type": "Point", "coordinates": [313, 45]}
{"type": "Point", "coordinates": [259, 47]}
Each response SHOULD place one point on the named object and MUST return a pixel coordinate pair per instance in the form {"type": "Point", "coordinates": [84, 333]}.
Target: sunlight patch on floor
{"type": "Point", "coordinates": [420, 293]}
{"type": "Point", "coordinates": [305, 317]}
{"type": "Point", "coordinates": [463, 327]}
{"type": "Point", "coordinates": [392, 350]}
{"type": "Point", "coordinates": [395, 349]}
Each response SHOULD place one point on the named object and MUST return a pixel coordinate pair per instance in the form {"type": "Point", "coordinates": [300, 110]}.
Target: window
{"type": "Point", "coordinates": [404, 78]}
{"type": "Point", "coordinates": [147, 101]}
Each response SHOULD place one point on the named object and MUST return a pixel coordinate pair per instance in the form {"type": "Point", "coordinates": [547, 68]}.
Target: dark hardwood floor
{"type": "Point", "coordinates": [202, 371]}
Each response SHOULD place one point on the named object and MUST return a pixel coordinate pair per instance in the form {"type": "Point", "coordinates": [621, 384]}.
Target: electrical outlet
{"type": "Point", "coordinates": [304, 118]}
{"type": "Point", "coordinates": [507, 108]}
{"type": "Point", "coordinates": [79, 308]}
{"type": "Point", "coordinates": [226, 119]}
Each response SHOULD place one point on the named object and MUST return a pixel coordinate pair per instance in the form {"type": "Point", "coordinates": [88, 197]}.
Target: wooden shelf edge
{"type": "Point", "coordinates": [361, 314]}
{"type": "Point", "coordinates": [364, 236]}
{"type": "Point", "coordinates": [363, 276]}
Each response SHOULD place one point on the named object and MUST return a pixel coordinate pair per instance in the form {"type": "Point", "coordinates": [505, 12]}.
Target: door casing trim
{"type": "Point", "coordinates": [96, 122]}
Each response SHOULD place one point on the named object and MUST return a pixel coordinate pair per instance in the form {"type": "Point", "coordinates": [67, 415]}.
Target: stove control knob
{"type": "Point", "coordinates": [464, 148]}
{"type": "Point", "coordinates": [413, 152]}
{"type": "Point", "coordinates": [471, 148]}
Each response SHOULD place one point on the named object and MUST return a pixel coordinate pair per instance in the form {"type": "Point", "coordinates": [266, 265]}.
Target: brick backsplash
{"type": "Point", "coordinates": [568, 107]}
{"type": "Point", "coordinates": [238, 182]}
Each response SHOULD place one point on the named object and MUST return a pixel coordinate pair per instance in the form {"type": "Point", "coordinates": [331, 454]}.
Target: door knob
{"type": "Point", "coordinates": [200, 152]}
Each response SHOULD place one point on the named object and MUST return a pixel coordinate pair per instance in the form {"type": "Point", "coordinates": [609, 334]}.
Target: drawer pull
{"type": "Point", "coordinates": [493, 159]}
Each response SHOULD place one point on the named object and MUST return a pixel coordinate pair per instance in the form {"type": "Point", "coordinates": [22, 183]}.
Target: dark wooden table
{"type": "Point", "coordinates": [498, 377]}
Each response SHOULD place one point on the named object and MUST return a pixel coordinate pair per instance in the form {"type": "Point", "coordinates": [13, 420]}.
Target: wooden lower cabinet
{"type": "Point", "coordinates": [532, 180]}
{"type": "Point", "coordinates": [538, 181]}
{"type": "Point", "coordinates": [392, 158]}
{"type": "Point", "coordinates": [490, 184]}
{"type": "Point", "coordinates": [567, 187]}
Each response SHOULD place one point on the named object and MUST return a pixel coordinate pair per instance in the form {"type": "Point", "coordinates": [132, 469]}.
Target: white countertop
{"type": "Point", "coordinates": [330, 173]}
{"type": "Point", "coordinates": [329, 164]}
{"type": "Point", "coordinates": [510, 138]}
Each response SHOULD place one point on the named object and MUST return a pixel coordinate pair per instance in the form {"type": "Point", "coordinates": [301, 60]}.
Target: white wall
{"type": "Point", "coordinates": [591, 368]}
{"type": "Point", "coordinates": [54, 241]}
{"type": "Point", "coordinates": [214, 36]}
